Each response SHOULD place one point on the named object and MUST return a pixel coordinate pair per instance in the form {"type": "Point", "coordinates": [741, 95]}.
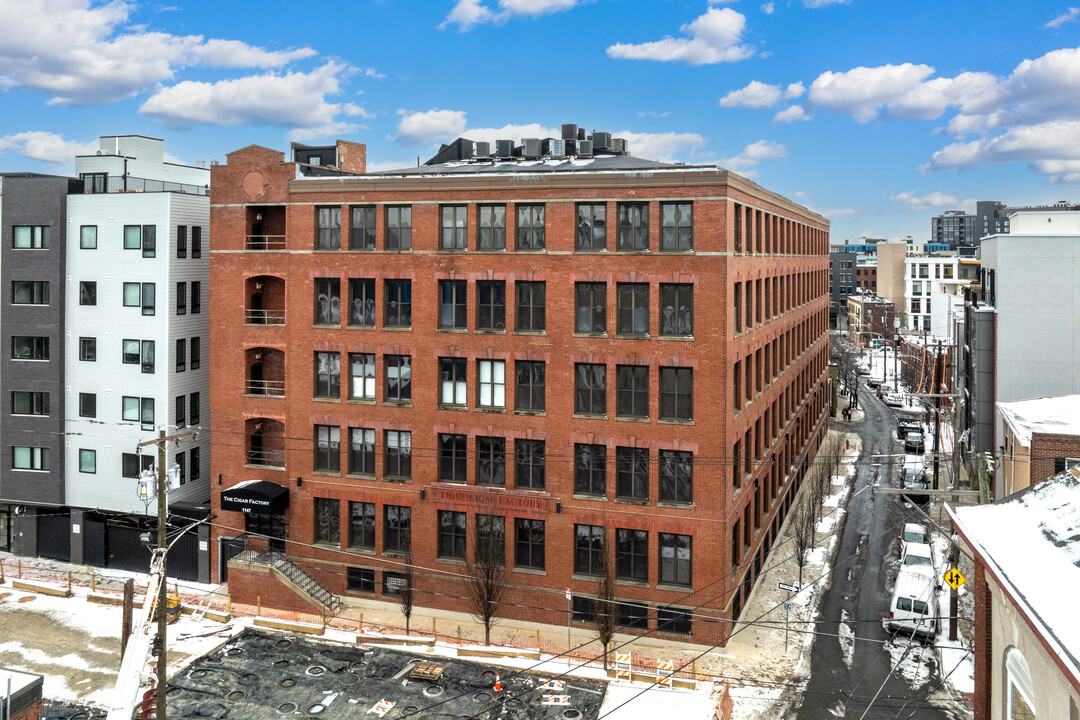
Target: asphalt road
{"type": "Point", "coordinates": [860, 681]}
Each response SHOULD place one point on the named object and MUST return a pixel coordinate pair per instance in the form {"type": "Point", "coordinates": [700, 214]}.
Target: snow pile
{"type": "Point", "coordinates": [912, 660]}
{"type": "Point", "coordinates": [847, 639]}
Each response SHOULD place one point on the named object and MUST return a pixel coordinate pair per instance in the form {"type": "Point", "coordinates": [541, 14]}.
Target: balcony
{"type": "Point", "coordinates": [265, 372]}
{"type": "Point", "coordinates": [265, 443]}
{"type": "Point", "coordinates": [265, 300]}
{"type": "Point", "coordinates": [266, 228]}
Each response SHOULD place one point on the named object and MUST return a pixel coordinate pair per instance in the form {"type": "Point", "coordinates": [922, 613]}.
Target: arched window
{"type": "Point", "coordinates": [1019, 693]}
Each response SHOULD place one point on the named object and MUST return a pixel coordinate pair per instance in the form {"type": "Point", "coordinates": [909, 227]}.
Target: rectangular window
{"type": "Point", "coordinates": [361, 302]}
{"type": "Point", "coordinates": [590, 300]}
{"type": "Point", "coordinates": [29, 403]}
{"type": "Point", "coordinates": [632, 473]}
{"type": "Point", "coordinates": [676, 227]}
{"type": "Point", "coordinates": [362, 451]}
{"type": "Point", "coordinates": [149, 299]}
{"type": "Point", "coordinates": [30, 237]}
{"type": "Point", "coordinates": [394, 584]}
{"type": "Point", "coordinates": [529, 464]}
{"type": "Point", "coordinates": [28, 347]}
{"type": "Point", "coordinates": [632, 309]}
{"type": "Point", "coordinates": [132, 294]}
{"type": "Point", "coordinates": [95, 182]}
{"type": "Point", "coordinates": [632, 615]}
{"type": "Point", "coordinates": [672, 620]}
{"type": "Point", "coordinates": [590, 469]}
{"type": "Point", "coordinates": [149, 241]}
{"type": "Point", "coordinates": [529, 543]}
{"type": "Point", "coordinates": [491, 227]}
{"type": "Point", "coordinates": [633, 227]}
{"type": "Point", "coordinates": [362, 376]}
{"type": "Point", "coordinates": [676, 476]}
{"type": "Point", "coordinates": [328, 448]}
{"type": "Point", "coordinates": [398, 460]}
{"type": "Point", "coordinates": [181, 411]}
{"type": "Point", "coordinates": [30, 292]}
{"type": "Point", "coordinates": [452, 383]}
{"type": "Point", "coordinates": [530, 227]}
{"type": "Point", "coordinates": [196, 353]}
{"type": "Point", "coordinates": [398, 369]}
{"type": "Point", "coordinates": [399, 227]}
{"type": "Point", "coordinates": [88, 349]}
{"type": "Point", "coordinates": [677, 310]}
{"type": "Point", "coordinates": [451, 534]}
{"type": "Point", "coordinates": [584, 609]}
{"type": "Point", "coordinates": [88, 292]}
{"type": "Point", "coordinates": [328, 228]}
{"type": "Point", "coordinates": [181, 241]}
{"type": "Point", "coordinates": [196, 241]}
{"type": "Point", "coordinates": [453, 308]}
{"type": "Point", "coordinates": [491, 538]}
{"type": "Point", "coordinates": [194, 407]}
{"type": "Point", "coordinates": [132, 464]}
{"type": "Point", "coordinates": [675, 559]}
{"type": "Point", "coordinates": [531, 301]}
{"type": "Point", "coordinates": [29, 458]}
{"type": "Point", "coordinates": [181, 465]}
{"type": "Point", "coordinates": [327, 301]}
{"type": "Point", "coordinates": [452, 458]}
{"type": "Point", "coordinates": [588, 549]}
{"type": "Point", "coordinates": [196, 297]}
{"type": "Point", "coordinates": [87, 405]}
{"type": "Point", "coordinates": [362, 527]}
{"type": "Point", "coordinates": [196, 465]}
{"type": "Point", "coordinates": [181, 298]}
{"type": "Point", "coordinates": [362, 228]}
{"type": "Point", "coordinates": [143, 411]}
{"type": "Point", "coordinates": [397, 528]}
{"type": "Point", "coordinates": [529, 385]}
{"type": "Point", "coordinates": [328, 375]}
{"type": "Point", "coordinates": [590, 389]}
{"type": "Point", "coordinates": [359, 579]}
{"type": "Point", "coordinates": [398, 312]}
{"type": "Point", "coordinates": [491, 305]}
{"type": "Point", "coordinates": [592, 226]}
{"type": "Point", "coordinates": [452, 227]}
{"type": "Point", "coordinates": [676, 393]}
{"type": "Point", "coordinates": [632, 554]}
{"type": "Point", "coordinates": [181, 355]}
{"type": "Point", "coordinates": [328, 521]}
{"type": "Point", "coordinates": [632, 391]}
{"type": "Point", "coordinates": [491, 384]}
{"type": "Point", "coordinates": [491, 461]}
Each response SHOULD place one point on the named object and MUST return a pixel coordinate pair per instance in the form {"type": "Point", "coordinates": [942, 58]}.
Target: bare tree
{"type": "Point", "coordinates": [405, 597]}
{"type": "Point", "coordinates": [486, 584]}
{"type": "Point", "coordinates": [605, 605]}
{"type": "Point", "coordinates": [803, 533]}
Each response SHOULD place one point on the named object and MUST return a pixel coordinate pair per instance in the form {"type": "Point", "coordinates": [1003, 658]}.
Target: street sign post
{"type": "Point", "coordinates": [790, 587]}
{"type": "Point", "coordinates": [954, 578]}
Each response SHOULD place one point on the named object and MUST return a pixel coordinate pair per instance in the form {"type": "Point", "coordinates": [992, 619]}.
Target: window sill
{"type": "Point", "coordinates": [325, 400]}
{"type": "Point", "coordinates": [674, 421]}
{"type": "Point", "coordinates": [362, 551]}
{"type": "Point", "coordinates": [361, 401]}
{"type": "Point", "coordinates": [460, 331]}
{"type": "Point", "coordinates": [631, 501]}
{"type": "Point", "coordinates": [361, 476]}
{"type": "Point", "coordinates": [264, 467]}
{"type": "Point", "coordinates": [395, 553]}
{"type": "Point", "coordinates": [397, 328]}
{"type": "Point", "coordinates": [633, 336]}
{"type": "Point", "coordinates": [484, 409]}
{"type": "Point", "coordinates": [678, 338]}
{"type": "Point", "coordinates": [327, 545]}
{"type": "Point", "coordinates": [584, 576]}
{"type": "Point", "coordinates": [398, 403]}
{"type": "Point", "coordinates": [397, 479]}
{"type": "Point", "coordinates": [335, 326]}
{"type": "Point", "coordinates": [352, 592]}
{"type": "Point", "coordinates": [326, 473]}
{"type": "Point", "coordinates": [537, 413]}
{"type": "Point", "coordinates": [588, 416]}
{"type": "Point", "coordinates": [456, 408]}
{"type": "Point", "coordinates": [450, 561]}
{"type": "Point", "coordinates": [595, 498]}
{"type": "Point", "coordinates": [620, 251]}
{"type": "Point", "coordinates": [359, 327]}
{"type": "Point", "coordinates": [530, 332]}
{"type": "Point", "coordinates": [631, 418]}
{"type": "Point", "coordinates": [590, 334]}
{"type": "Point", "coordinates": [632, 583]}
{"type": "Point", "coordinates": [677, 504]}
{"type": "Point", "coordinates": [489, 331]}
{"type": "Point", "coordinates": [675, 588]}
{"type": "Point", "coordinates": [530, 570]}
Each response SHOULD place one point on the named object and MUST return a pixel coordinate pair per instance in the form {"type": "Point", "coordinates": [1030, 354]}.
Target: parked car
{"type": "Point", "coordinates": [893, 400]}
{"type": "Point", "coordinates": [904, 425]}
{"type": "Point", "coordinates": [912, 605]}
{"type": "Point", "coordinates": [913, 442]}
{"type": "Point", "coordinates": [883, 390]}
{"type": "Point", "coordinates": [872, 383]}
{"type": "Point", "coordinates": [913, 479]}
{"type": "Point", "coordinates": [914, 534]}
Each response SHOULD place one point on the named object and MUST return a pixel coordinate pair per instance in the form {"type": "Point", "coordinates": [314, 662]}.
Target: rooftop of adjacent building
{"type": "Point", "coordinates": [1048, 415]}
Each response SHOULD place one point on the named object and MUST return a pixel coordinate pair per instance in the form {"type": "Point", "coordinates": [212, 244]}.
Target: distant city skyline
{"type": "Point", "coordinates": [878, 116]}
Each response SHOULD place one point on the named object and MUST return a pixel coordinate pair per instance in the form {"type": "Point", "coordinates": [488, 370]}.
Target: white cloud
{"type": "Point", "coordinates": [824, 3]}
{"type": "Point", "coordinates": [1070, 15]}
{"type": "Point", "coordinates": [930, 201]}
{"type": "Point", "coordinates": [467, 14]}
{"type": "Point", "coordinates": [756, 95]}
{"type": "Point", "coordinates": [711, 38]}
{"type": "Point", "coordinates": [354, 110]}
{"type": "Point", "coordinates": [752, 155]}
{"type": "Point", "coordinates": [837, 213]}
{"type": "Point", "coordinates": [665, 147]}
{"type": "Point", "coordinates": [510, 132]}
{"type": "Point", "coordinates": [861, 91]}
{"type": "Point", "coordinates": [653, 114]}
{"type": "Point", "coordinates": [794, 113]}
{"type": "Point", "coordinates": [418, 128]}
{"type": "Point", "coordinates": [46, 146]}
{"type": "Point", "coordinates": [768, 8]}
{"type": "Point", "coordinates": [794, 90]}
{"type": "Point", "coordinates": [930, 99]}
{"type": "Point", "coordinates": [390, 165]}
{"type": "Point", "coordinates": [1050, 147]}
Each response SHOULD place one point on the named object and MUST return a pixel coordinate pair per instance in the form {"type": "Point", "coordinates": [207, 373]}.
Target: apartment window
{"type": "Point", "coordinates": [491, 538]}
{"type": "Point", "coordinates": [328, 448]}
{"type": "Point", "coordinates": [394, 584]}
{"type": "Point", "coordinates": [676, 227]}
{"type": "Point", "coordinates": [359, 579]}
{"type": "Point", "coordinates": [632, 227]}
{"type": "Point", "coordinates": [362, 376]}
{"type": "Point", "coordinates": [29, 403]}
{"type": "Point", "coordinates": [87, 405]}
{"type": "Point", "coordinates": [181, 355]}
{"type": "Point", "coordinates": [398, 369]}
{"type": "Point", "coordinates": [588, 549]}
{"type": "Point", "coordinates": [398, 311]}
{"type": "Point", "coordinates": [590, 469]}
{"type": "Point", "coordinates": [196, 241]}
{"type": "Point", "coordinates": [491, 384]}
{"type": "Point", "coordinates": [590, 389]}
{"type": "Point", "coordinates": [181, 298]}
{"type": "Point", "coordinates": [328, 228]}
{"type": "Point", "coordinates": [134, 409]}
{"type": "Point", "coordinates": [452, 228]}
{"type": "Point", "coordinates": [452, 458]}
{"type": "Point", "coordinates": [916, 305]}
{"type": "Point", "coordinates": [196, 297]}
{"type": "Point", "coordinates": [88, 349]}
{"type": "Point", "coordinates": [677, 310]}
{"type": "Point", "coordinates": [196, 464]}
{"type": "Point", "coordinates": [632, 391]}
{"type": "Point", "coordinates": [451, 534]}
{"type": "Point", "coordinates": [29, 458]}
{"type": "Point", "coordinates": [181, 411]}
{"type": "Point", "coordinates": [529, 385]}
{"type": "Point", "coordinates": [632, 554]}
{"type": "Point", "coordinates": [584, 609]}
{"type": "Point", "coordinates": [327, 375]}
{"type": "Point", "coordinates": [592, 226]}
{"type": "Point", "coordinates": [491, 461]}
{"type": "Point", "coordinates": [30, 292]}
{"type": "Point", "coordinates": [362, 228]}
{"type": "Point", "coordinates": [491, 227]}
{"type": "Point", "coordinates": [132, 464]}
{"type": "Point", "coordinates": [397, 528]}
{"type": "Point", "coordinates": [327, 521]}
{"type": "Point", "coordinates": [181, 241]}
{"type": "Point", "coordinates": [362, 451]}
{"type": "Point", "coordinates": [530, 227]}
{"type": "Point", "coordinates": [452, 382]}
{"type": "Point", "coordinates": [676, 476]}
{"type": "Point", "coordinates": [529, 464]}
{"type": "Point", "coordinates": [452, 305]}
{"type": "Point", "coordinates": [399, 227]}
{"type": "Point", "coordinates": [531, 300]}
{"type": "Point", "coordinates": [30, 237]}
{"type": "Point", "coordinates": [673, 620]}
{"type": "Point", "coordinates": [676, 393]}
{"type": "Point", "coordinates": [141, 236]}
{"type": "Point", "coordinates": [632, 473]}
{"type": "Point", "coordinates": [398, 460]}
{"type": "Point", "coordinates": [132, 294]}
{"type": "Point", "coordinates": [26, 347]}
{"type": "Point", "coordinates": [327, 301]}
{"type": "Point", "coordinates": [675, 559]}
{"type": "Point", "coordinates": [632, 615]}
{"type": "Point", "coordinates": [529, 543]}
{"type": "Point", "coordinates": [361, 302]}
{"type": "Point", "coordinates": [591, 307]}
{"type": "Point", "coordinates": [87, 293]}
{"type": "Point", "coordinates": [95, 182]}
{"type": "Point", "coordinates": [491, 305]}
{"type": "Point", "coordinates": [362, 525]}
{"type": "Point", "coordinates": [194, 407]}
{"type": "Point", "coordinates": [632, 309]}
{"type": "Point", "coordinates": [196, 353]}
{"type": "Point", "coordinates": [149, 298]}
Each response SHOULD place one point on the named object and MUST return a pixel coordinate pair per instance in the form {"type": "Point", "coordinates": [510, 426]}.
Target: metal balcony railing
{"type": "Point", "coordinates": [276, 243]}
{"type": "Point", "coordinates": [264, 317]}
{"type": "Point", "coordinates": [266, 458]}
{"type": "Point", "coordinates": [269, 388]}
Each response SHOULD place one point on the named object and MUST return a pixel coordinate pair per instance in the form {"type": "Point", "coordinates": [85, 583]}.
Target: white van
{"type": "Point", "coordinates": [914, 533]}
{"type": "Point", "coordinates": [913, 607]}
{"type": "Point", "coordinates": [918, 557]}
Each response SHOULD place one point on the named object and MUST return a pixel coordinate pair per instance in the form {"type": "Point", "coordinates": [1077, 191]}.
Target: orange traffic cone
{"type": "Point", "coordinates": [498, 683]}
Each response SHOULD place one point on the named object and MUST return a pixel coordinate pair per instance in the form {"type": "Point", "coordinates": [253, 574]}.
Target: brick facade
{"type": "Point", "coordinates": [757, 359]}
{"type": "Point", "coordinates": [983, 642]}
{"type": "Point", "coordinates": [1048, 453]}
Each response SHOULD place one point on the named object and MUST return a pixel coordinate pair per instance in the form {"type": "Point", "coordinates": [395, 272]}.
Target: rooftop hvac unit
{"type": "Point", "coordinates": [570, 146]}
{"type": "Point", "coordinates": [581, 133]}
{"type": "Point", "coordinates": [554, 147]}
{"type": "Point", "coordinates": [569, 131]}
{"type": "Point", "coordinates": [530, 148]}
{"type": "Point", "coordinates": [483, 149]}
{"type": "Point", "coordinates": [584, 148]}
{"type": "Point", "coordinates": [618, 145]}
{"type": "Point", "coordinates": [504, 148]}
{"type": "Point", "coordinates": [601, 140]}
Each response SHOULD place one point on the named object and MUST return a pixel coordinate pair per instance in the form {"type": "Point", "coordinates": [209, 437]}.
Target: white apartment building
{"type": "Point", "coordinates": [920, 274]}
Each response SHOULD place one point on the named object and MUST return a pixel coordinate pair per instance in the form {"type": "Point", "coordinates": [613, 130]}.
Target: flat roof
{"type": "Point", "coordinates": [599, 163]}
{"type": "Point", "coordinates": [19, 681]}
{"type": "Point", "coordinates": [1047, 416]}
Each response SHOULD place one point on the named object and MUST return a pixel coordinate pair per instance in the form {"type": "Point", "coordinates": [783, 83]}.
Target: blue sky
{"type": "Point", "coordinates": [877, 114]}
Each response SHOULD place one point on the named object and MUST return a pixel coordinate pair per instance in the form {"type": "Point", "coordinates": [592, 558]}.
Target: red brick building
{"type": "Point", "coordinates": [866, 277]}
{"type": "Point", "coordinates": [570, 360]}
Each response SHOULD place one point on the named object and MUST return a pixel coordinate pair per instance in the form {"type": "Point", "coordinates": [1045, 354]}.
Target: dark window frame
{"type": "Point", "coordinates": [362, 302]}
{"type": "Point", "coordinates": [397, 303]}
{"type": "Point", "coordinates": [632, 309]}
{"type": "Point", "coordinates": [590, 308]}
{"type": "Point", "coordinates": [529, 543]}
{"type": "Point", "coordinates": [530, 386]}
{"type": "Point", "coordinates": [632, 554]}
{"type": "Point", "coordinates": [589, 543]}
{"type": "Point", "coordinates": [397, 371]}
{"type": "Point", "coordinates": [453, 227]}
{"type": "Point", "coordinates": [328, 227]}
{"type": "Point", "coordinates": [491, 461]}
{"type": "Point", "coordinates": [677, 227]}
{"type": "Point", "coordinates": [590, 469]}
{"type": "Point", "coordinates": [676, 318]}
{"type": "Point", "coordinates": [677, 393]}
{"type": "Point", "coordinates": [632, 391]}
{"type": "Point", "coordinates": [632, 473]}
{"type": "Point", "coordinates": [632, 227]}
{"type": "Point", "coordinates": [490, 227]}
{"type": "Point", "coordinates": [452, 535]}
{"type": "Point", "coordinates": [530, 308]}
{"type": "Point", "coordinates": [397, 454]}
{"type": "Point", "coordinates": [453, 458]}
{"type": "Point", "coordinates": [588, 236]}
{"type": "Point", "coordinates": [530, 229]}
{"type": "Point", "coordinates": [590, 389]}
{"type": "Point", "coordinates": [491, 306]}
{"type": "Point", "coordinates": [362, 229]}
{"type": "Point", "coordinates": [676, 476]}
{"type": "Point", "coordinates": [453, 305]}
{"type": "Point", "coordinates": [530, 465]}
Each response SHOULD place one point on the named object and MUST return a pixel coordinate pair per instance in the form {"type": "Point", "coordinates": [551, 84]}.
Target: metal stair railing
{"type": "Point", "coordinates": [279, 562]}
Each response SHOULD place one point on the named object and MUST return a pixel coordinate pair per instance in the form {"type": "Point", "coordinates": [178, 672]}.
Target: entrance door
{"type": "Point", "coordinates": [270, 526]}
{"type": "Point", "coordinates": [229, 548]}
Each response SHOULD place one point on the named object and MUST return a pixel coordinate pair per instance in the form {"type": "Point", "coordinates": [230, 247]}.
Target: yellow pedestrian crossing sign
{"type": "Point", "coordinates": [954, 578]}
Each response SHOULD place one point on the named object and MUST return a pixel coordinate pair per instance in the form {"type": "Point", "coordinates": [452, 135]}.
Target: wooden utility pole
{"type": "Point", "coordinates": [129, 603]}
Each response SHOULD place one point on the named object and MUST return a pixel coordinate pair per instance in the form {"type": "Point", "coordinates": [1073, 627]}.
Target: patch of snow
{"type": "Point", "coordinates": [847, 639]}
{"type": "Point", "coordinates": [815, 556]}
{"type": "Point", "coordinates": [912, 660]}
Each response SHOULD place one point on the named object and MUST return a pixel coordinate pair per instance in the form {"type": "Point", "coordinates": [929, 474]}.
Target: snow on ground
{"type": "Point", "coordinates": [656, 703]}
{"type": "Point", "coordinates": [847, 639]}
{"type": "Point", "coordinates": [912, 660]}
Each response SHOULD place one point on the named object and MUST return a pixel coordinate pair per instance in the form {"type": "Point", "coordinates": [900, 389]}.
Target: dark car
{"type": "Point", "coordinates": [872, 383]}
{"type": "Point", "coordinates": [913, 442]}
{"type": "Point", "coordinates": [904, 425]}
